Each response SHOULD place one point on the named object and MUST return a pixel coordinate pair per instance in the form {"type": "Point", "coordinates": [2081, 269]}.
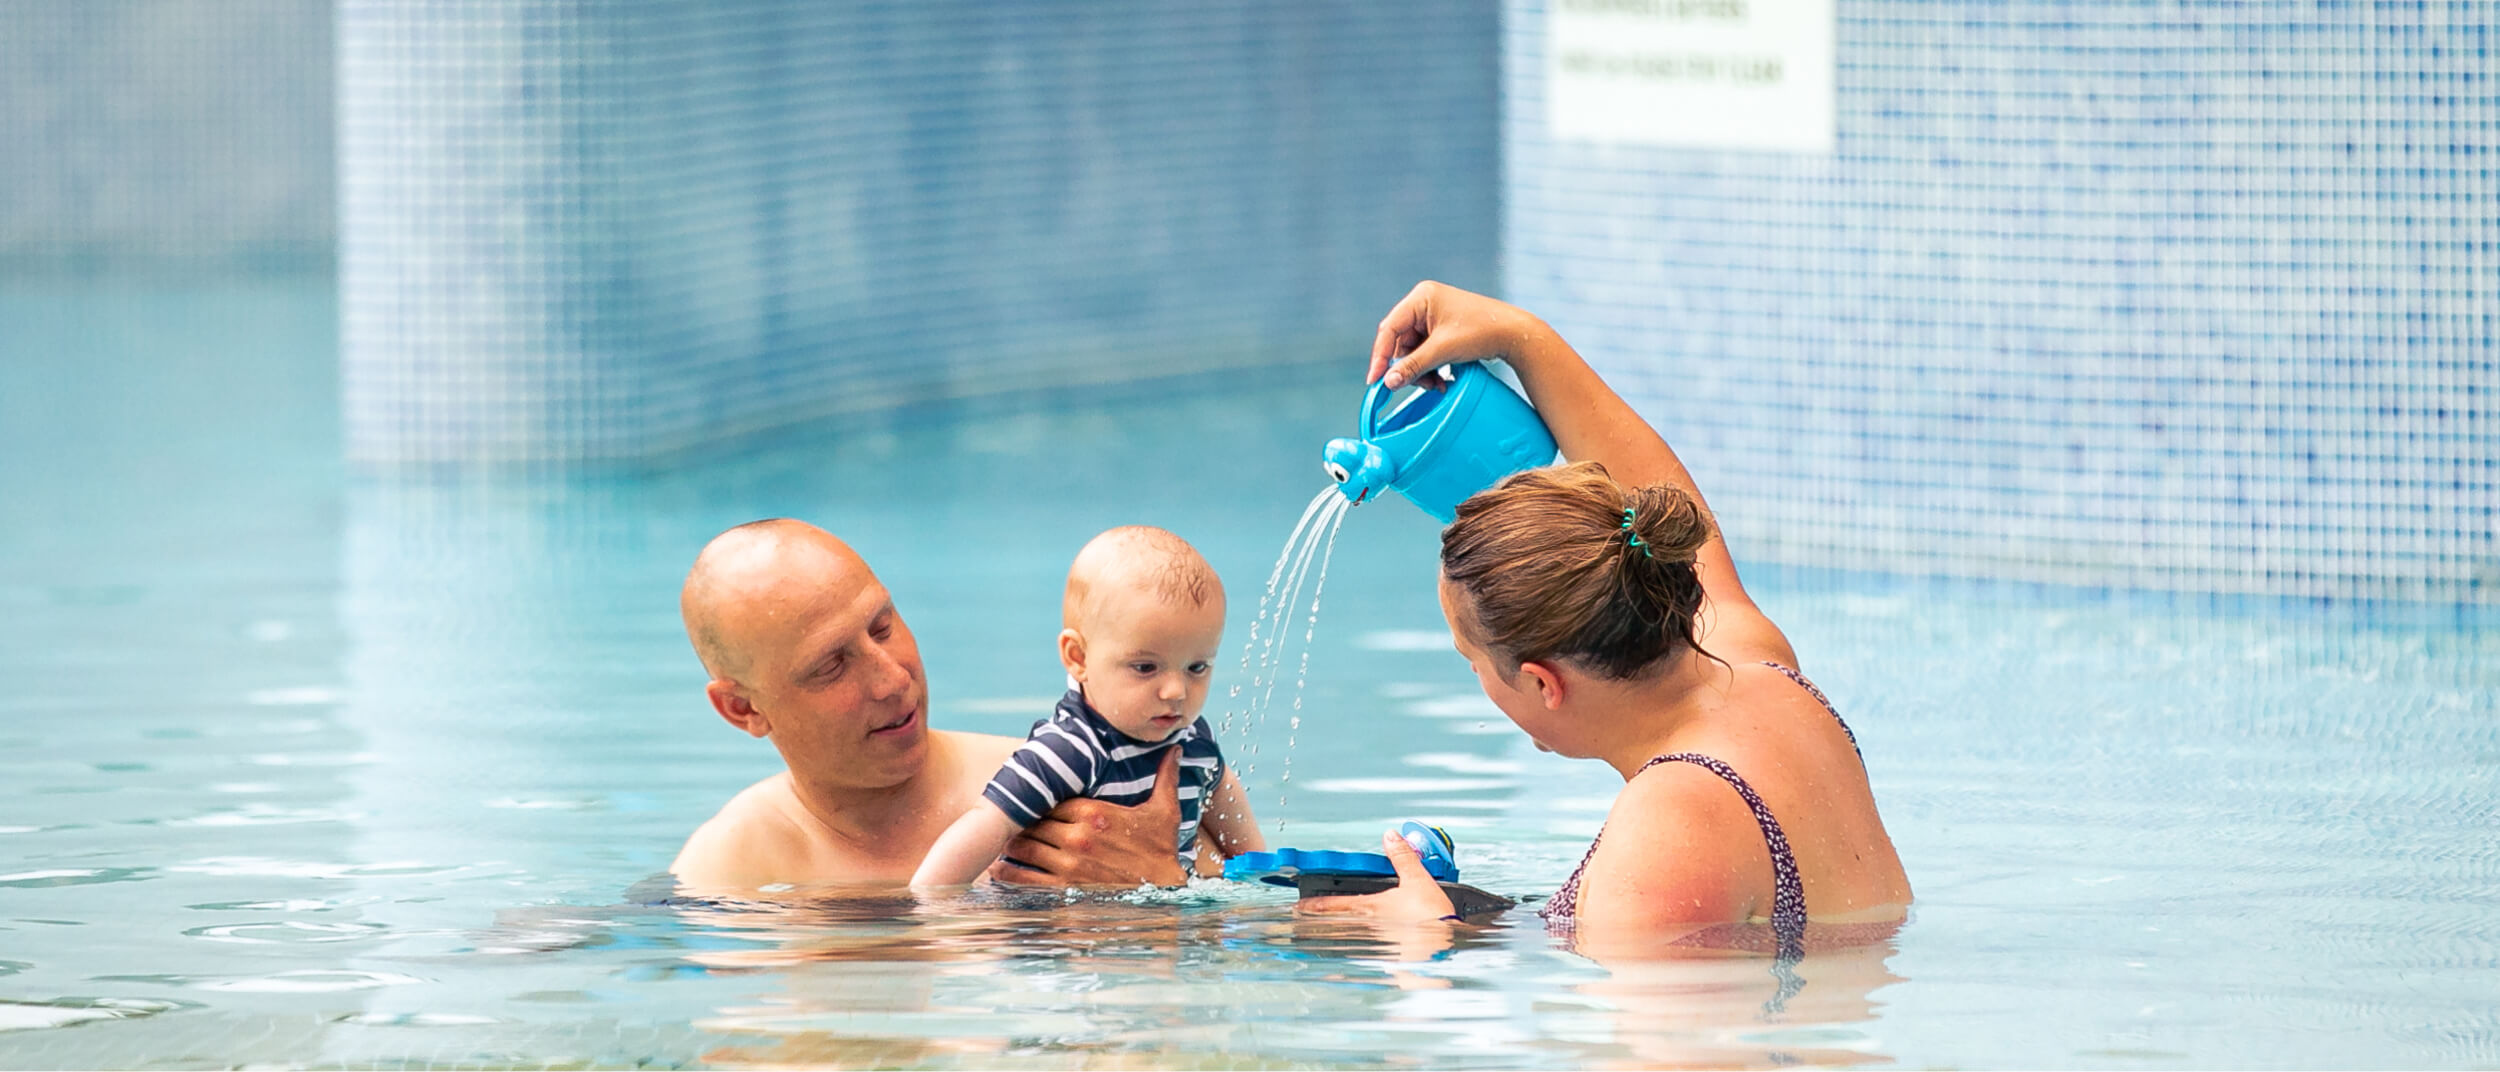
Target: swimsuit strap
{"type": "Point", "coordinates": [1563, 908]}
{"type": "Point", "coordinates": [1788, 892]}
{"type": "Point", "coordinates": [1826, 701]}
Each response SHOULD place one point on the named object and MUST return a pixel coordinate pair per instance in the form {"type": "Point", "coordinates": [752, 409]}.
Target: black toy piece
{"type": "Point", "coordinates": [1467, 900]}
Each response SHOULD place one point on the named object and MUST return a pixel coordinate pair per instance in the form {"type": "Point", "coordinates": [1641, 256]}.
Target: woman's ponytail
{"type": "Point", "coordinates": [1565, 563]}
{"type": "Point", "coordinates": [1667, 528]}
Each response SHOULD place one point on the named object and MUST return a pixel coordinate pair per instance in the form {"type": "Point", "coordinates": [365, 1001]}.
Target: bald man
{"type": "Point", "coordinates": [806, 650]}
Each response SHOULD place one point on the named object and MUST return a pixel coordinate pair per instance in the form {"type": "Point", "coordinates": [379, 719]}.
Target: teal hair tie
{"type": "Point", "coordinates": [1633, 537]}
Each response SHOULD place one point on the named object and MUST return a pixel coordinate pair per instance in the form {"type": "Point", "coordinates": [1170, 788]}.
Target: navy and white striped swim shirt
{"type": "Point", "coordinates": [1076, 753]}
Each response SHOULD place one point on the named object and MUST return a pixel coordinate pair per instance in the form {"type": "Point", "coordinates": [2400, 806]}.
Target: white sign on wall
{"type": "Point", "coordinates": [1718, 74]}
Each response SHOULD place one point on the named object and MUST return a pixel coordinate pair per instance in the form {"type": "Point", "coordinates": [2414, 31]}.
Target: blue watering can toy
{"type": "Point", "coordinates": [1439, 447]}
{"type": "Point", "coordinates": [1327, 873]}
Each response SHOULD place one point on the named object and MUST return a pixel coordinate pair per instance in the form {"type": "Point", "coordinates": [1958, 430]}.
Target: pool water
{"type": "Point", "coordinates": [302, 769]}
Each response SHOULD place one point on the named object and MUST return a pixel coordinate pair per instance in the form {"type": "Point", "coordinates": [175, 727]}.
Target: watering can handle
{"type": "Point", "coordinates": [1447, 377]}
{"type": "Point", "coordinates": [1371, 408]}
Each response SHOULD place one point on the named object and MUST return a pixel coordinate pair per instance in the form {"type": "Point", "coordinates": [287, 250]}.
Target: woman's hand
{"type": "Point", "coordinates": [1418, 896]}
{"type": "Point", "coordinates": [1436, 325]}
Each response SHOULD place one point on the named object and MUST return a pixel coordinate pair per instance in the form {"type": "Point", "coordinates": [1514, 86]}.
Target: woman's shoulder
{"type": "Point", "coordinates": [1773, 670]}
{"type": "Point", "coordinates": [1768, 710]}
{"type": "Point", "coordinates": [1679, 846]}
{"type": "Point", "coordinates": [1680, 790]}
{"type": "Point", "coordinates": [1732, 628]}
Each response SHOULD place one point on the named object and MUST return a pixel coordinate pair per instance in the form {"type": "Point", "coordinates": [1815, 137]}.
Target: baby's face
{"type": "Point", "coordinates": [1148, 662]}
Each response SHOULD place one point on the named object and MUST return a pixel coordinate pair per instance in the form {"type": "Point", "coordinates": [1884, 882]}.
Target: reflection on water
{"type": "Point", "coordinates": [299, 770]}
{"type": "Point", "coordinates": [1215, 976]}
{"type": "Point", "coordinates": [1212, 983]}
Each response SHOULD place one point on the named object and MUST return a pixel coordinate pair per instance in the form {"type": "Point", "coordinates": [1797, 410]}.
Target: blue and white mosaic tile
{"type": "Point", "coordinates": [2195, 296]}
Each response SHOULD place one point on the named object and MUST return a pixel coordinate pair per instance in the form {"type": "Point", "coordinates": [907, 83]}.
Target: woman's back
{"type": "Point", "coordinates": [1760, 787]}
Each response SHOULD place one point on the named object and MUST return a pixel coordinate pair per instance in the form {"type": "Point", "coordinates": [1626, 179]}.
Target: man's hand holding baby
{"type": "Point", "coordinates": [1089, 842]}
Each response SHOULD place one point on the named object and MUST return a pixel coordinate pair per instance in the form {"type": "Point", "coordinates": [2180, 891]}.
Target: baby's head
{"type": "Point", "coordinates": [1140, 622]}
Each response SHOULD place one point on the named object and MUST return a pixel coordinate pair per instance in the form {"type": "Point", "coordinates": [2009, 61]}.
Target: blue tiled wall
{"type": "Point", "coordinates": [2190, 295]}
{"type": "Point", "coordinates": [156, 136]}
{"type": "Point", "coordinates": [607, 232]}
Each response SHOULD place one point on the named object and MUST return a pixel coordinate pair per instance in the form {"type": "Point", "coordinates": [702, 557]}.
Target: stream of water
{"type": "Point", "coordinates": [1263, 653]}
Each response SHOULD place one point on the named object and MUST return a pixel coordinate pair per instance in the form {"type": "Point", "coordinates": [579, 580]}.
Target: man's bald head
{"type": "Point", "coordinates": [741, 578]}
{"type": "Point", "coordinates": [1137, 557]}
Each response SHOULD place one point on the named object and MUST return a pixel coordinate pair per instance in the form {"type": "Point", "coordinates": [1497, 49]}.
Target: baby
{"type": "Point", "coordinates": [1141, 618]}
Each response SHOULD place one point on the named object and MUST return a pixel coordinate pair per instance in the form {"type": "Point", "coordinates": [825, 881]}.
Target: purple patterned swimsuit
{"type": "Point", "coordinates": [1788, 897]}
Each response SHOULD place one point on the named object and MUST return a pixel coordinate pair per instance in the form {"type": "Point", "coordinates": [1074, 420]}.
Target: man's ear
{"type": "Point", "coordinates": [735, 709]}
{"type": "Point", "coordinates": [1072, 653]}
{"type": "Point", "coordinates": [1549, 683]}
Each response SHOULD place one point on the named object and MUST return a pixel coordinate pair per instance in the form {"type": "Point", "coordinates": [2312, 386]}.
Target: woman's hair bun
{"type": "Point", "coordinates": [1549, 566]}
{"type": "Point", "coordinates": [1671, 524]}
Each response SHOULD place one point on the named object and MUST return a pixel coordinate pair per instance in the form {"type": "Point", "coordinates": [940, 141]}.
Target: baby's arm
{"type": "Point", "coordinates": [1226, 818]}
{"type": "Point", "coordinates": [967, 848]}
{"type": "Point", "coordinates": [1034, 780]}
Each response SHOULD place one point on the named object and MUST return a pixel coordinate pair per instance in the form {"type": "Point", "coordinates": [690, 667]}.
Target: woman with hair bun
{"type": "Point", "coordinates": [1601, 611]}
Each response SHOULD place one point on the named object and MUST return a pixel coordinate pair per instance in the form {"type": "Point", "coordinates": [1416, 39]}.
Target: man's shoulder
{"type": "Point", "coordinates": [759, 826]}
{"type": "Point", "coordinates": [975, 758]}
{"type": "Point", "coordinates": [986, 750]}
{"type": "Point", "coordinates": [762, 836]}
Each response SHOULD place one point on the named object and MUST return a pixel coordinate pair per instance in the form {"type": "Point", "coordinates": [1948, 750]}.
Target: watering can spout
{"type": "Point", "coordinates": [1360, 469]}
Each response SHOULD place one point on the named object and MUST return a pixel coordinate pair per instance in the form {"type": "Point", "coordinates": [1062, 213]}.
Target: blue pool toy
{"type": "Point", "coordinates": [1285, 867]}
{"type": "Point", "coordinates": [1322, 873]}
{"type": "Point", "coordinates": [1440, 446]}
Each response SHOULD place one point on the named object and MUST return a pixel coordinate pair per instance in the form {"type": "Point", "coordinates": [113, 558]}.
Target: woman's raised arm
{"type": "Point", "coordinates": [1437, 325]}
